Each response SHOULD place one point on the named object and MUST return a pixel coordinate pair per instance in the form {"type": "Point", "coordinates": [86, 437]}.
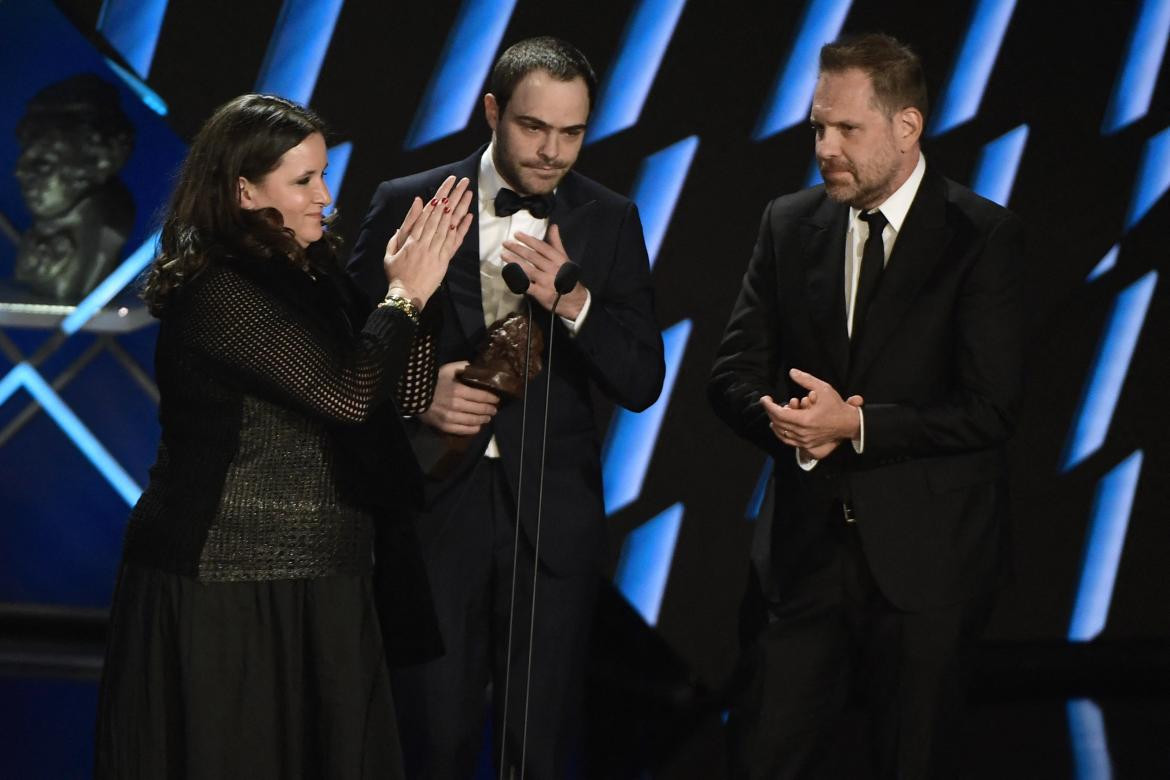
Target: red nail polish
{"type": "Point", "coordinates": [450, 227]}
{"type": "Point", "coordinates": [434, 201]}
{"type": "Point", "coordinates": [447, 210]}
{"type": "Point", "coordinates": [444, 200]}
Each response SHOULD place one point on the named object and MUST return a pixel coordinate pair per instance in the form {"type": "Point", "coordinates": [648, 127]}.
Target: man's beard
{"type": "Point", "coordinates": [858, 193]}
{"type": "Point", "coordinates": [514, 172]}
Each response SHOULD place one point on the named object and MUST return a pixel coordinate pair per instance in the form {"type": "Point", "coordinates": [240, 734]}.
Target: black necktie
{"type": "Point", "coordinates": [508, 203]}
{"type": "Point", "coordinates": [873, 259]}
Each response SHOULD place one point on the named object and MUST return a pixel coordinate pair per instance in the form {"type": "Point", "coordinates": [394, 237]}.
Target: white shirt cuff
{"type": "Point", "coordinates": [859, 442]}
{"type": "Point", "coordinates": [806, 463]}
{"type": "Point", "coordinates": [575, 325]}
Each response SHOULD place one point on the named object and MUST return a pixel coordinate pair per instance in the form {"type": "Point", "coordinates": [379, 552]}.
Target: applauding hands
{"type": "Point", "coordinates": [418, 253]}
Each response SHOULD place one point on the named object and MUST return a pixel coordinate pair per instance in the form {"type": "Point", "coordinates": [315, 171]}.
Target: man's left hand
{"type": "Point", "coordinates": [824, 419]}
{"type": "Point", "coordinates": [541, 260]}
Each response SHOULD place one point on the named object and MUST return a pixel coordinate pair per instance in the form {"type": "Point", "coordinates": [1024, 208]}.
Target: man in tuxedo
{"type": "Point", "coordinates": [875, 353]}
{"type": "Point", "coordinates": [534, 210]}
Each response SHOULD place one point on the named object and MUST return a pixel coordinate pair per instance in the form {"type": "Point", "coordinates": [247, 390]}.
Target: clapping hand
{"type": "Point", "coordinates": [418, 253]}
{"type": "Point", "coordinates": [817, 423]}
{"type": "Point", "coordinates": [541, 260]}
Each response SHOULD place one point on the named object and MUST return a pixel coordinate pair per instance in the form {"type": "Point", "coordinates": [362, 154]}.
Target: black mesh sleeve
{"type": "Point", "coordinates": [260, 342]}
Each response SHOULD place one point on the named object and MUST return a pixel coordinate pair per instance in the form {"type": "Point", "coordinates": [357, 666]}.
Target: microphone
{"type": "Point", "coordinates": [517, 281]}
{"type": "Point", "coordinates": [566, 278]}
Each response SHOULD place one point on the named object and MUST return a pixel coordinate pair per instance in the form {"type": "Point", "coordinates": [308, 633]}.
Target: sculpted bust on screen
{"type": "Point", "coordinates": [74, 139]}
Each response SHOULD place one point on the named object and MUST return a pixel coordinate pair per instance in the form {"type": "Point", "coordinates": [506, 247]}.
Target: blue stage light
{"type": "Point", "coordinates": [626, 86]}
{"type": "Point", "coordinates": [656, 190]}
{"type": "Point", "coordinates": [1108, 525]}
{"type": "Point", "coordinates": [26, 377]}
{"type": "Point", "coordinates": [1105, 264]}
{"type": "Point", "coordinates": [132, 27]}
{"type": "Point", "coordinates": [972, 70]}
{"type": "Point", "coordinates": [1153, 178]}
{"type": "Point", "coordinates": [995, 173]}
{"type": "Point", "coordinates": [111, 286]}
{"type": "Point", "coordinates": [792, 93]}
{"type": "Point", "coordinates": [455, 87]}
{"type": "Point", "coordinates": [814, 177]}
{"type": "Point", "coordinates": [644, 565]}
{"type": "Point", "coordinates": [1111, 364]}
{"type": "Point", "coordinates": [335, 174]}
{"type": "Point", "coordinates": [632, 435]}
{"type": "Point", "coordinates": [757, 499]}
{"type": "Point", "coordinates": [297, 48]}
{"type": "Point", "coordinates": [147, 95]}
{"type": "Point", "coordinates": [1090, 746]}
{"type": "Point", "coordinates": [1139, 73]}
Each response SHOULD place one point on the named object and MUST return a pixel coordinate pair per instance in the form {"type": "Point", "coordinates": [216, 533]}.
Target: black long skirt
{"type": "Point", "coordinates": [253, 680]}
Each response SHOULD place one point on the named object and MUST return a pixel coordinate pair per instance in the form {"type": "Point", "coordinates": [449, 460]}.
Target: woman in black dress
{"type": "Point", "coordinates": [244, 637]}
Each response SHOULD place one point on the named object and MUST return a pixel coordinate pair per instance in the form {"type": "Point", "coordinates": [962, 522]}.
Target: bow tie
{"type": "Point", "coordinates": [508, 203]}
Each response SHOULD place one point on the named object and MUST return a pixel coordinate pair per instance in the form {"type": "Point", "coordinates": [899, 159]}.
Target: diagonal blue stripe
{"type": "Point", "coordinates": [148, 96]}
{"type": "Point", "coordinates": [454, 89]}
{"type": "Point", "coordinates": [111, 286]}
{"type": "Point", "coordinates": [656, 190]}
{"type": "Point", "coordinates": [626, 87]}
{"type": "Point", "coordinates": [632, 435]}
{"type": "Point", "coordinates": [972, 71]}
{"type": "Point", "coordinates": [1105, 264]}
{"type": "Point", "coordinates": [297, 48]}
{"type": "Point", "coordinates": [1110, 366]}
{"type": "Point", "coordinates": [757, 500]}
{"type": "Point", "coordinates": [1153, 178]}
{"type": "Point", "coordinates": [132, 27]}
{"type": "Point", "coordinates": [644, 564]}
{"type": "Point", "coordinates": [335, 174]}
{"type": "Point", "coordinates": [791, 96]}
{"type": "Point", "coordinates": [1108, 525]}
{"type": "Point", "coordinates": [995, 173]}
{"type": "Point", "coordinates": [1090, 747]}
{"type": "Point", "coordinates": [1139, 73]}
{"type": "Point", "coordinates": [24, 375]}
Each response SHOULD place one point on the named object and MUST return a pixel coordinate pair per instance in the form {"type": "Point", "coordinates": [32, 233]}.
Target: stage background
{"type": "Point", "coordinates": [1059, 111]}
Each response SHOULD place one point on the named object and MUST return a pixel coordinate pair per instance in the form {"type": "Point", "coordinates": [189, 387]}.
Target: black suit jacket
{"type": "Point", "coordinates": [938, 363]}
{"type": "Point", "coordinates": [618, 350]}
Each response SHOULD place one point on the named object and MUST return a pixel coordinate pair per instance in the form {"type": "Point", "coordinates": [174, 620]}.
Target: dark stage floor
{"type": "Point", "coordinates": [47, 726]}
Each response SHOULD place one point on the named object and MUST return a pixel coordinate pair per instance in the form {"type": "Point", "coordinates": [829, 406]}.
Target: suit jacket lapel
{"type": "Point", "coordinates": [824, 254]}
{"type": "Point", "coordinates": [920, 246]}
{"type": "Point", "coordinates": [462, 280]}
{"type": "Point", "coordinates": [572, 214]}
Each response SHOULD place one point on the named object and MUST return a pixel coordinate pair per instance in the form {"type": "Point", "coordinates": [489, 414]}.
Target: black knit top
{"type": "Point", "coordinates": [270, 393]}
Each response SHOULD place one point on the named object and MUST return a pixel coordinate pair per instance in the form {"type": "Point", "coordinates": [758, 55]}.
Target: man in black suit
{"type": "Point", "coordinates": [875, 354]}
{"type": "Point", "coordinates": [531, 209]}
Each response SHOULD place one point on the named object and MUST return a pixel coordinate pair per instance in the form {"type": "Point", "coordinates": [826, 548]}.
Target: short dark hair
{"type": "Point", "coordinates": [561, 59]}
{"type": "Point", "coordinates": [204, 222]}
{"type": "Point", "coordinates": [892, 66]}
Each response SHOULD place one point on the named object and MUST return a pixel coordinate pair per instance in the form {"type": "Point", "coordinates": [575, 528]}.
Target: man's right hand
{"type": "Point", "coordinates": [458, 408]}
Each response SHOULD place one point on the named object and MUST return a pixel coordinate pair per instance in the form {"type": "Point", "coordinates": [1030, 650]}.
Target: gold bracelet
{"type": "Point", "coordinates": [402, 304]}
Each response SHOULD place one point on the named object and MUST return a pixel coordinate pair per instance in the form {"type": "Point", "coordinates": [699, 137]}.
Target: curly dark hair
{"type": "Point", "coordinates": [204, 221]}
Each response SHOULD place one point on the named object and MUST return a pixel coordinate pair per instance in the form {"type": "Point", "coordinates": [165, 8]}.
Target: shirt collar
{"type": "Point", "coordinates": [895, 207]}
{"type": "Point", "coordinates": [490, 180]}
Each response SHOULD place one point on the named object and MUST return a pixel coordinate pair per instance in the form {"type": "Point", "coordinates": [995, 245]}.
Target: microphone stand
{"type": "Point", "coordinates": [566, 280]}
{"type": "Point", "coordinates": [518, 283]}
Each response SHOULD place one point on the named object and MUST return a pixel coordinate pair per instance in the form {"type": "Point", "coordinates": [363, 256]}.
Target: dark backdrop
{"type": "Point", "coordinates": [1055, 72]}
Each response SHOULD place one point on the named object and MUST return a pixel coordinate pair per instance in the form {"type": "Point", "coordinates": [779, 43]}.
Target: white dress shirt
{"type": "Point", "coordinates": [894, 208]}
{"type": "Point", "coordinates": [494, 230]}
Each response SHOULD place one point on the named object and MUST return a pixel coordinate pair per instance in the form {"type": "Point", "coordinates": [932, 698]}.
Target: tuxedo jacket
{"type": "Point", "coordinates": [617, 350]}
{"type": "Point", "coordinates": [938, 363]}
